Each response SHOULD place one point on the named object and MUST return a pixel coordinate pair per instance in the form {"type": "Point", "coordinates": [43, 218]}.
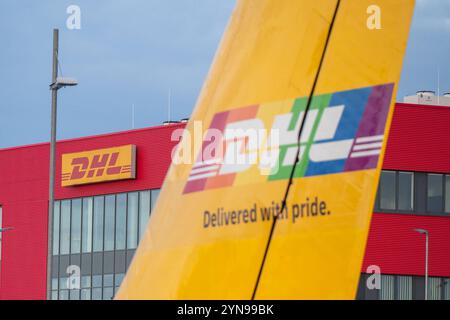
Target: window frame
{"type": "Point", "coordinates": [446, 210]}
{"type": "Point", "coordinates": [413, 194]}
{"type": "Point", "coordinates": [442, 209]}
{"type": "Point", "coordinates": [143, 200]}
{"type": "Point", "coordinates": [380, 208]}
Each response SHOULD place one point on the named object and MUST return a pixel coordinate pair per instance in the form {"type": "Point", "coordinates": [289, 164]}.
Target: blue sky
{"type": "Point", "coordinates": [134, 51]}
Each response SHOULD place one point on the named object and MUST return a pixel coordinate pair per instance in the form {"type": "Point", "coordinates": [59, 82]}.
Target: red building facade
{"type": "Point", "coordinates": [418, 145]}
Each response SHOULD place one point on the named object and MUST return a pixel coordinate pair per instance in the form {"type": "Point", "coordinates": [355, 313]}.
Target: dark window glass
{"type": "Point", "coordinates": [121, 221]}
{"type": "Point", "coordinates": [144, 211]}
{"type": "Point", "coordinates": [133, 210]}
{"type": "Point", "coordinates": [447, 193]}
{"type": "Point", "coordinates": [110, 204]}
{"type": "Point", "coordinates": [65, 227]}
{"type": "Point", "coordinates": [406, 191]}
{"type": "Point", "coordinates": [75, 246]}
{"type": "Point", "coordinates": [88, 208]}
{"type": "Point", "coordinates": [56, 228]}
{"type": "Point", "coordinates": [387, 190]}
{"type": "Point", "coordinates": [435, 196]}
{"type": "Point", "coordinates": [98, 223]}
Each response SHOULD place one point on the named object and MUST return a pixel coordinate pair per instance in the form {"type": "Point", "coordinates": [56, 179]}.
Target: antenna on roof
{"type": "Point", "coordinates": [169, 104]}
{"type": "Point", "coordinates": [438, 85]}
{"type": "Point", "coordinates": [132, 116]}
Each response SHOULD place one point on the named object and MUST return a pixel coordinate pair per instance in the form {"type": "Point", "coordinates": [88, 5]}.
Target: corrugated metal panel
{"type": "Point", "coordinates": [396, 248]}
{"type": "Point", "coordinates": [419, 139]}
{"type": "Point", "coordinates": [24, 198]}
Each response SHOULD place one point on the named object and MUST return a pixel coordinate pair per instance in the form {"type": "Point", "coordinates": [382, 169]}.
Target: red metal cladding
{"type": "Point", "coordinates": [24, 198]}
{"type": "Point", "coordinates": [396, 248]}
{"type": "Point", "coordinates": [419, 141]}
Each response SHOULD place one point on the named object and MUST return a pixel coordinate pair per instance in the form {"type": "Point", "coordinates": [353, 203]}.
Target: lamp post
{"type": "Point", "coordinates": [57, 83]}
{"type": "Point", "coordinates": [425, 232]}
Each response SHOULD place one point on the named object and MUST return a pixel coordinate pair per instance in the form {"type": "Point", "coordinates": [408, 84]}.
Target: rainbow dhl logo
{"type": "Point", "coordinates": [342, 132]}
{"type": "Point", "coordinates": [101, 165]}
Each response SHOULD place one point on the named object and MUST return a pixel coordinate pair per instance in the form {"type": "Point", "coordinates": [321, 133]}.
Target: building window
{"type": "Point", "coordinates": [404, 288]}
{"type": "Point", "coordinates": [398, 192]}
{"type": "Point", "coordinates": [118, 279]}
{"type": "Point", "coordinates": [398, 287]}
{"type": "Point", "coordinates": [144, 211]}
{"type": "Point", "coordinates": [132, 223]}
{"type": "Point", "coordinates": [56, 211]}
{"type": "Point", "coordinates": [75, 228]}
{"type": "Point", "coordinates": [86, 234]}
{"type": "Point", "coordinates": [387, 287]}
{"type": "Point", "coordinates": [406, 191]}
{"type": "Point", "coordinates": [108, 289]}
{"type": "Point", "coordinates": [65, 227]}
{"type": "Point", "coordinates": [434, 288]}
{"type": "Point", "coordinates": [63, 283]}
{"type": "Point", "coordinates": [447, 193]}
{"type": "Point", "coordinates": [155, 195]}
{"type": "Point", "coordinates": [446, 288]}
{"type": "Point", "coordinates": [121, 221]}
{"type": "Point", "coordinates": [97, 287]}
{"type": "Point", "coordinates": [435, 193]}
{"type": "Point", "coordinates": [110, 204]}
{"type": "Point", "coordinates": [74, 294]}
{"type": "Point", "coordinates": [99, 207]}
{"type": "Point", "coordinates": [64, 295]}
{"type": "Point", "coordinates": [387, 190]}
{"type": "Point", "coordinates": [85, 294]}
{"type": "Point", "coordinates": [111, 224]}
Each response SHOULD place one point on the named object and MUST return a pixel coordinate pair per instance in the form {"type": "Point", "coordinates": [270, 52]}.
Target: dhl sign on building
{"type": "Point", "coordinates": [118, 163]}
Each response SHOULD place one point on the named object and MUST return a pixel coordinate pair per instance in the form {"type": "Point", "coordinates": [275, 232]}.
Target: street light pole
{"type": "Point", "coordinates": [57, 83]}
{"type": "Point", "coordinates": [1, 231]}
{"type": "Point", "coordinates": [51, 196]}
{"type": "Point", "coordinates": [425, 232]}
